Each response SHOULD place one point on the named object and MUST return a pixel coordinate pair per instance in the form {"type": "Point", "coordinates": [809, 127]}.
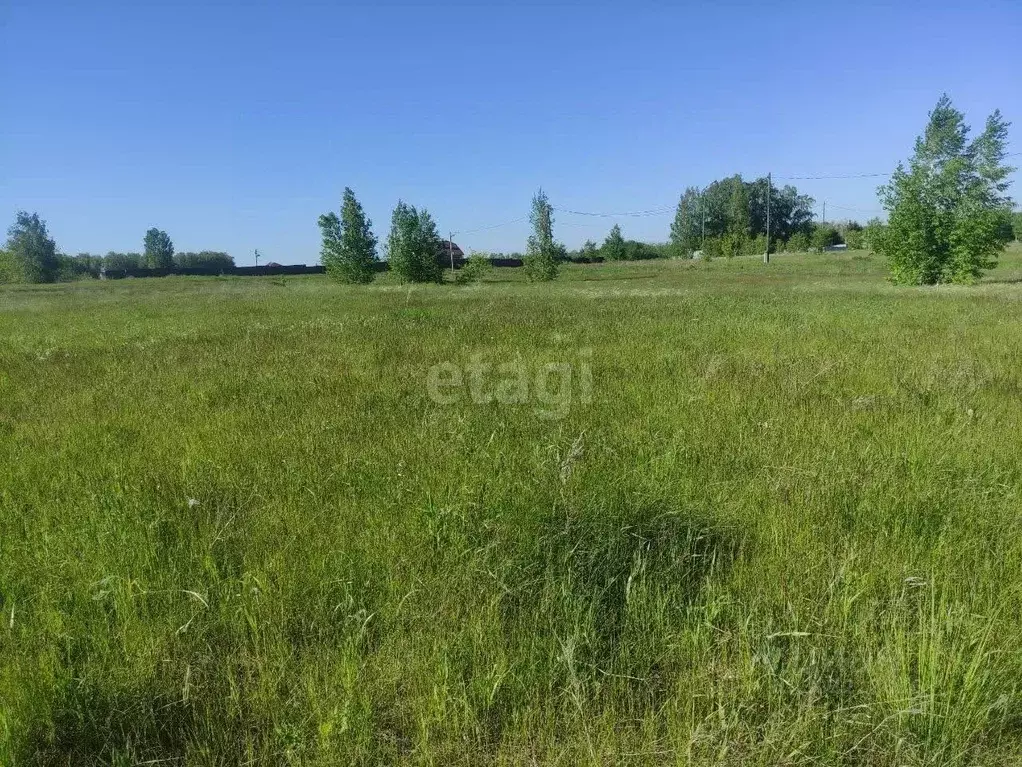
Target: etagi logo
{"type": "Point", "coordinates": [551, 386]}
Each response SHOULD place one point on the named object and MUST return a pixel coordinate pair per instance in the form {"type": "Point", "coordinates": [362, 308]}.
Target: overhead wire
{"type": "Point", "coordinates": [668, 209]}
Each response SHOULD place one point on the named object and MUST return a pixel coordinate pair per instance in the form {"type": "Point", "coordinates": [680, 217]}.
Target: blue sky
{"type": "Point", "coordinates": [233, 126]}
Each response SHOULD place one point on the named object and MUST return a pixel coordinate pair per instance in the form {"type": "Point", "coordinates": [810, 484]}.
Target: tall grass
{"type": "Point", "coordinates": [234, 529]}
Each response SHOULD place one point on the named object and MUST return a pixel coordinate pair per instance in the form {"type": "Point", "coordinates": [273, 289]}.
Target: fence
{"type": "Point", "coordinates": [268, 271]}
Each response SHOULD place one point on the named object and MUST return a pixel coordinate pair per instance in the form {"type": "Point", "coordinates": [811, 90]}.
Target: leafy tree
{"type": "Point", "coordinates": [855, 239]}
{"type": "Point", "coordinates": [8, 271]}
{"type": "Point", "coordinates": [158, 250]}
{"type": "Point", "coordinates": [1016, 225]}
{"type": "Point", "coordinates": [122, 261]}
{"type": "Point", "coordinates": [414, 246]}
{"type": "Point", "coordinates": [78, 267]}
{"type": "Point", "coordinates": [798, 242]}
{"type": "Point", "coordinates": [349, 245]}
{"type": "Point", "coordinates": [613, 248]}
{"type": "Point", "coordinates": [947, 208]}
{"type": "Point", "coordinates": [686, 229]}
{"type": "Point", "coordinates": [853, 234]}
{"type": "Point", "coordinates": [31, 254]}
{"type": "Point", "coordinates": [735, 239]}
{"type": "Point", "coordinates": [824, 236]}
{"type": "Point", "coordinates": [735, 210]}
{"type": "Point", "coordinates": [541, 251]}
{"type": "Point", "coordinates": [873, 233]}
{"type": "Point", "coordinates": [790, 212]}
{"type": "Point", "coordinates": [205, 259]}
{"type": "Point", "coordinates": [589, 252]}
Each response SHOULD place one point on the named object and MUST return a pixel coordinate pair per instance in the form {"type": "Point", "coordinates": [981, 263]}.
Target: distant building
{"type": "Point", "coordinates": [448, 250]}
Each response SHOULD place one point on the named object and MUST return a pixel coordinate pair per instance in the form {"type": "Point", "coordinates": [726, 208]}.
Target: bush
{"type": "Point", "coordinates": [713, 247]}
{"type": "Point", "coordinates": [476, 267]}
{"type": "Point", "coordinates": [733, 244]}
{"type": "Point", "coordinates": [798, 243]}
{"type": "Point", "coordinates": [122, 261]}
{"type": "Point", "coordinates": [643, 251]}
{"type": "Point", "coordinates": [824, 236]}
{"type": "Point", "coordinates": [873, 234]}
{"type": "Point", "coordinates": [80, 267]}
{"type": "Point", "coordinates": [855, 239]}
{"type": "Point", "coordinates": [206, 259]}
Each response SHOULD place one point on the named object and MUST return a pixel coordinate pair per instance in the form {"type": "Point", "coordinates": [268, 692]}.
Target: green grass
{"type": "Point", "coordinates": [784, 529]}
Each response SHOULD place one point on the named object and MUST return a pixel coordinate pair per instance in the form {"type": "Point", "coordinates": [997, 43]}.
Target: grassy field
{"type": "Point", "coordinates": [781, 525]}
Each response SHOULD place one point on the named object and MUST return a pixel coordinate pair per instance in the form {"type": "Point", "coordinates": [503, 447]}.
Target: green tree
{"type": "Point", "coordinates": [204, 259]}
{"type": "Point", "coordinates": [734, 241]}
{"type": "Point", "coordinates": [541, 250]}
{"type": "Point", "coordinates": [77, 267]}
{"type": "Point", "coordinates": [589, 252]}
{"type": "Point", "coordinates": [414, 246]}
{"type": "Point", "coordinates": [798, 242]}
{"type": "Point", "coordinates": [122, 261]}
{"type": "Point", "coordinates": [735, 211]}
{"type": "Point", "coordinates": [1016, 225]}
{"type": "Point", "coordinates": [349, 246]}
{"type": "Point", "coordinates": [947, 207]}
{"type": "Point", "coordinates": [613, 248]}
{"type": "Point", "coordinates": [686, 229]}
{"type": "Point", "coordinates": [823, 236]}
{"type": "Point", "coordinates": [31, 254]}
{"type": "Point", "coordinates": [158, 250]}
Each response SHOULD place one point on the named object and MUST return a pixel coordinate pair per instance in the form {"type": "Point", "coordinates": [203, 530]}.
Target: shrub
{"type": "Point", "coordinates": [798, 243]}
{"type": "Point", "coordinates": [122, 261]}
{"type": "Point", "coordinates": [855, 238]}
{"type": "Point", "coordinates": [476, 267]}
{"type": "Point", "coordinates": [824, 236]}
{"type": "Point", "coordinates": [713, 247]}
{"type": "Point", "coordinates": [206, 259]}
{"type": "Point", "coordinates": [733, 244]}
{"type": "Point", "coordinates": [80, 267]}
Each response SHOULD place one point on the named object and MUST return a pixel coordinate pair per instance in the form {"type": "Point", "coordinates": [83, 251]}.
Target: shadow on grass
{"type": "Point", "coordinates": [603, 592]}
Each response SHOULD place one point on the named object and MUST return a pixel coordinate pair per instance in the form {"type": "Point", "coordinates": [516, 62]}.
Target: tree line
{"type": "Point", "coordinates": [724, 219]}
{"type": "Point", "coordinates": [31, 255]}
{"type": "Point", "coordinates": [949, 215]}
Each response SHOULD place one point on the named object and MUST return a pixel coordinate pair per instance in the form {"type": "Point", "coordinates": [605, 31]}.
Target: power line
{"type": "Point", "coordinates": [491, 226]}
{"type": "Point", "coordinates": [662, 210]}
{"type": "Point", "coordinates": [858, 175]}
{"type": "Point", "coordinates": [856, 210]}
{"type": "Point", "coordinates": [813, 178]}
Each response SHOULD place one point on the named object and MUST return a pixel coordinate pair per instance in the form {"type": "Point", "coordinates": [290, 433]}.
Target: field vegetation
{"type": "Point", "coordinates": [235, 528]}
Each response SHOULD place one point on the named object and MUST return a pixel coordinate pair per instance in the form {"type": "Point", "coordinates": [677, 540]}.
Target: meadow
{"type": "Point", "coordinates": [782, 527]}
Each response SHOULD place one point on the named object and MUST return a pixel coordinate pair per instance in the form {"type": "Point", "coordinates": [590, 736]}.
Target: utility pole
{"type": "Point", "coordinates": [824, 212]}
{"type": "Point", "coordinates": [766, 255]}
{"type": "Point", "coordinates": [702, 242]}
{"type": "Point", "coordinates": [257, 256]}
{"type": "Point", "coordinates": [450, 247]}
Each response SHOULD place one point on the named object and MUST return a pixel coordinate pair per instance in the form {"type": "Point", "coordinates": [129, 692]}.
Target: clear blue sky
{"type": "Point", "coordinates": [232, 126]}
